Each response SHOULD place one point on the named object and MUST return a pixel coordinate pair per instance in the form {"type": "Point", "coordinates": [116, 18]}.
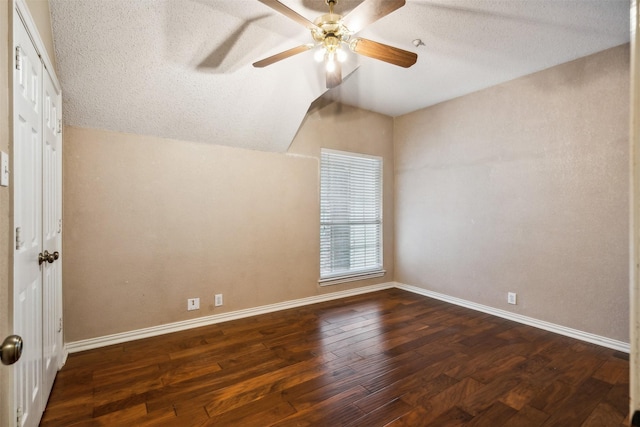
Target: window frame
{"type": "Point", "coordinates": [366, 272]}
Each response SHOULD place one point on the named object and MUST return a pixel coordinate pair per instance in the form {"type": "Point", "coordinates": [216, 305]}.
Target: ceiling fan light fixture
{"type": "Point", "coordinates": [331, 42]}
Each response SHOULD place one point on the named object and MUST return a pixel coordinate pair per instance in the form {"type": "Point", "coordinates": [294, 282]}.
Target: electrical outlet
{"type": "Point", "coordinates": [193, 304]}
{"type": "Point", "coordinates": [511, 297]}
{"type": "Point", "coordinates": [218, 300]}
{"type": "Point", "coordinates": [4, 169]}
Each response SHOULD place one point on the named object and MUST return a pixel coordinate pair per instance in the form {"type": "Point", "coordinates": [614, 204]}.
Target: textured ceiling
{"type": "Point", "coordinates": [182, 68]}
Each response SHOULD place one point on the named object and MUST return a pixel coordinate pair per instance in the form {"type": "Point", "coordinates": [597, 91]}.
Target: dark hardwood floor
{"type": "Point", "coordinates": [388, 358]}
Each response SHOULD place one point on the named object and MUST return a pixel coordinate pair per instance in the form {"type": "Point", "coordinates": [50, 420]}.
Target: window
{"type": "Point", "coordinates": [350, 217]}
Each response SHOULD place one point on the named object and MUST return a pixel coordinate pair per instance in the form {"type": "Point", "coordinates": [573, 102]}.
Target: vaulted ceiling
{"type": "Point", "coordinates": [182, 68]}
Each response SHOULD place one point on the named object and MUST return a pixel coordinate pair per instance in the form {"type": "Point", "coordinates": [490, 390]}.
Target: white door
{"type": "Point", "coordinates": [51, 231]}
{"type": "Point", "coordinates": [27, 299]}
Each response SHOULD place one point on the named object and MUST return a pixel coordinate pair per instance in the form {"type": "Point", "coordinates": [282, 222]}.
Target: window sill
{"type": "Point", "coordinates": [351, 277]}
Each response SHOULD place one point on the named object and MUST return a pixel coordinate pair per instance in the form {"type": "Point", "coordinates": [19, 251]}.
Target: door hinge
{"type": "Point", "coordinates": [59, 125]}
{"type": "Point", "coordinates": [18, 58]}
{"type": "Point", "coordinates": [18, 241]}
{"type": "Point", "coordinates": [19, 415]}
{"type": "Point", "coordinates": [60, 325]}
{"type": "Point", "coordinates": [59, 226]}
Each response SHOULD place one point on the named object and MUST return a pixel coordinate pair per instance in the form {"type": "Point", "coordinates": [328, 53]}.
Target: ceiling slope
{"type": "Point", "coordinates": [182, 68]}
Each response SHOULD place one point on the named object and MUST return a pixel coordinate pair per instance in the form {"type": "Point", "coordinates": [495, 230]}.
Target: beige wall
{"type": "Point", "coordinates": [152, 222]}
{"type": "Point", "coordinates": [523, 187]}
{"type": "Point", "coordinates": [5, 219]}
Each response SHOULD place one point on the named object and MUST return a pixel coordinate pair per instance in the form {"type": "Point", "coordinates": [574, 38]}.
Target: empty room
{"type": "Point", "coordinates": [319, 213]}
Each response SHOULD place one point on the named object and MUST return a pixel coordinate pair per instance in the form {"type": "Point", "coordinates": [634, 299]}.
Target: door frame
{"type": "Point", "coordinates": [634, 204]}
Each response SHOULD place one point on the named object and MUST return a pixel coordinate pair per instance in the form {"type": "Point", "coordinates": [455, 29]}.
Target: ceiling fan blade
{"type": "Point", "coordinates": [282, 55]}
{"type": "Point", "coordinates": [334, 78]}
{"type": "Point", "coordinates": [290, 13]}
{"type": "Point", "coordinates": [383, 52]}
{"type": "Point", "coordinates": [368, 12]}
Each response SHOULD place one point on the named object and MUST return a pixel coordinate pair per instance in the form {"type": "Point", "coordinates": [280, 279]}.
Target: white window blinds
{"type": "Point", "coordinates": [350, 214]}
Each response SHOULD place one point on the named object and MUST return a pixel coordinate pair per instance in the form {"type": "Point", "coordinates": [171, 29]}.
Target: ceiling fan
{"type": "Point", "coordinates": [331, 32]}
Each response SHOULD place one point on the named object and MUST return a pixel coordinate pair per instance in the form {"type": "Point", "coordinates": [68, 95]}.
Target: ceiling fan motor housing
{"type": "Point", "coordinates": [330, 31]}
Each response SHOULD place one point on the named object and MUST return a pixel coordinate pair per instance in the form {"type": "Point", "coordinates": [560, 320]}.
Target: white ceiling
{"type": "Point", "coordinates": [182, 68]}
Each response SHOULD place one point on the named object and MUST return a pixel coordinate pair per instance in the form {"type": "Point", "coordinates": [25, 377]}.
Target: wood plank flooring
{"type": "Point", "coordinates": [388, 358]}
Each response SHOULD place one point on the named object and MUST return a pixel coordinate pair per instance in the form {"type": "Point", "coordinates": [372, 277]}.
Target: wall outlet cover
{"type": "Point", "coordinates": [193, 304]}
{"type": "Point", "coordinates": [4, 169]}
{"type": "Point", "coordinates": [218, 300]}
{"type": "Point", "coordinates": [511, 298]}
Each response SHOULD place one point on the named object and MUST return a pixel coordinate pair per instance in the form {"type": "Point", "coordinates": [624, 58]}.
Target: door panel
{"type": "Point", "coordinates": [50, 231]}
{"type": "Point", "coordinates": [27, 147]}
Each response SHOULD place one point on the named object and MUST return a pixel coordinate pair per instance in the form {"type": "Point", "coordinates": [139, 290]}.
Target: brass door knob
{"type": "Point", "coordinates": [46, 256]}
{"type": "Point", "coordinates": [11, 350]}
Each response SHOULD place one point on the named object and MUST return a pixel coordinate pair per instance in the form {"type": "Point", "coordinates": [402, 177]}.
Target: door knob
{"type": "Point", "coordinates": [11, 350]}
{"type": "Point", "coordinates": [46, 256]}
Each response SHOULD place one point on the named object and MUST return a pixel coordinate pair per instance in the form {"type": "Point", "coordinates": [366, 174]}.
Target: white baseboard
{"type": "Point", "coordinates": [88, 344]}
{"type": "Point", "coordinates": [77, 346]}
{"type": "Point", "coordinates": [547, 326]}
